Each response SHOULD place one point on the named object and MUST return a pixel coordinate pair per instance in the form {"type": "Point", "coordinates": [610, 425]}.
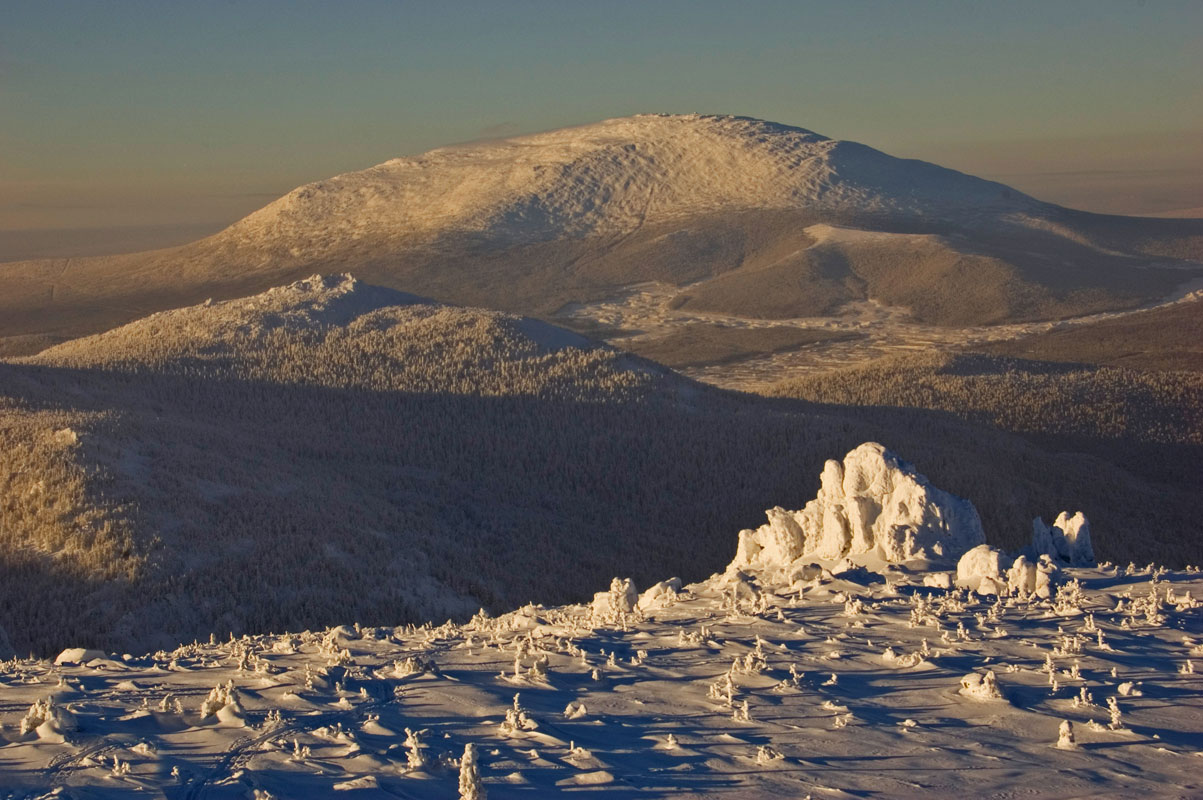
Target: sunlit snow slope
{"type": "Point", "coordinates": [532, 223]}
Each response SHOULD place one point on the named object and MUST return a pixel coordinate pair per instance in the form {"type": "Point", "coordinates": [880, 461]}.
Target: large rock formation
{"type": "Point", "coordinates": [873, 503]}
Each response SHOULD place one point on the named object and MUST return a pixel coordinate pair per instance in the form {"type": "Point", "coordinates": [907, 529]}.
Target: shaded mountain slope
{"type": "Point", "coordinates": [1147, 422]}
{"type": "Point", "coordinates": [1165, 338]}
{"type": "Point", "coordinates": [332, 450]}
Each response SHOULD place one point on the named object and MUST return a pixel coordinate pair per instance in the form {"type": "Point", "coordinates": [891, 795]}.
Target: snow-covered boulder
{"type": "Point", "coordinates": [1067, 539]}
{"type": "Point", "coordinates": [983, 570]}
{"type": "Point", "coordinates": [1021, 577]}
{"type": "Point", "coordinates": [660, 594]}
{"type": "Point", "coordinates": [1042, 538]}
{"type": "Point", "coordinates": [78, 655]}
{"type": "Point", "coordinates": [871, 503]}
{"type": "Point", "coordinates": [1047, 576]}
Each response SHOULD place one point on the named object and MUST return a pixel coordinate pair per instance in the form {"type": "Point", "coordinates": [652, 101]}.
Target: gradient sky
{"type": "Point", "coordinates": [164, 113]}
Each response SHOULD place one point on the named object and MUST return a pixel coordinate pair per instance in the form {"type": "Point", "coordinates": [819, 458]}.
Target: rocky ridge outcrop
{"type": "Point", "coordinates": [871, 503]}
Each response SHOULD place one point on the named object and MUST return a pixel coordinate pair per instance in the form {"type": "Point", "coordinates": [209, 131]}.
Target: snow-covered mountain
{"type": "Point", "coordinates": [744, 216]}
{"type": "Point", "coordinates": [331, 448]}
{"type": "Point", "coordinates": [615, 177]}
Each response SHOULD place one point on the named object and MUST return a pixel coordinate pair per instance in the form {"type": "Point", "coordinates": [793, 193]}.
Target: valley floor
{"type": "Point", "coordinates": [643, 320]}
{"type": "Point", "coordinates": [841, 687]}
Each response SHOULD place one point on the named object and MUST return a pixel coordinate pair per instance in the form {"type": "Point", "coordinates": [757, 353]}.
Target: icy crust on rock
{"type": "Point", "coordinates": [872, 503]}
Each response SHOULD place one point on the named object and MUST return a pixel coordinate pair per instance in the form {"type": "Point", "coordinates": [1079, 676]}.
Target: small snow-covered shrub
{"type": "Point", "coordinates": [981, 686]}
{"type": "Point", "coordinates": [1065, 736]}
{"type": "Point", "coordinates": [223, 703]}
{"type": "Point", "coordinates": [415, 750]}
{"type": "Point", "coordinates": [767, 754]}
{"type": "Point", "coordinates": [517, 719]}
{"type": "Point", "coordinates": [48, 720]}
{"type": "Point", "coordinates": [471, 787]}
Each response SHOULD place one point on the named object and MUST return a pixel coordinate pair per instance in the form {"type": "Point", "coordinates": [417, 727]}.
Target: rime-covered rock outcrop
{"type": "Point", "coordinates": [984, 570]}
{"type": "Point", "coordinates": [872, 503]}
{"type": "Point", "coordinates": [1067, 539]}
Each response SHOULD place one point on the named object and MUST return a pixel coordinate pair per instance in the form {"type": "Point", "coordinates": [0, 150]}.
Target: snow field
{"type": "Point", "coordinates": [810, 689]}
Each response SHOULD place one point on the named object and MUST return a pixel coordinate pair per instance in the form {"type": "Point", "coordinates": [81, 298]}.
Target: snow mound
{"type": "Point", "coordinates": [980, 686]}
{"type": "Point", "coordinates": [983, 569]}
{"type": "Point", "coordinates": [873, 503]}
{"type": "Point", "coordinates": [78, 655]}
{"type": "Point", "coordinates": [660, 594]}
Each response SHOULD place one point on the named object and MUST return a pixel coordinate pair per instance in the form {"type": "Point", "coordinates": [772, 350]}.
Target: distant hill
{"type": "Point", "coordinates": [332, 450]}
{"type": "Point", "coordinates": [747, 217]}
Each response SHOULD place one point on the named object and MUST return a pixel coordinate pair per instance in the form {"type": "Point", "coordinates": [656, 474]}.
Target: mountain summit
{"type": "Point", "coordinates": [616, 177]}
{"type": "Point", "coordinates": [742, 216]}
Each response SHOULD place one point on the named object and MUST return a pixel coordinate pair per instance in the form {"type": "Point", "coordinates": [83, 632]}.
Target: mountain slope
{"type": "Point", "coordinates": [334, 450]}
{"type": "Point", "coordinates": [1165, 338]}
{"type": "Point", "coordinates": [532, 223]}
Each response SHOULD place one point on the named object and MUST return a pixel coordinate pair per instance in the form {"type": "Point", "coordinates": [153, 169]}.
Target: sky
{"type": "Point", "coordinates": [129, 114]}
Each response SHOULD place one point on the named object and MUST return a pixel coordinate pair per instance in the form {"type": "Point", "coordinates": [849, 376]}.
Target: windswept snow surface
{"type": "Point", "coordinates": [838, 681]}
{"type": "Point", "coordinates": [857, 685]}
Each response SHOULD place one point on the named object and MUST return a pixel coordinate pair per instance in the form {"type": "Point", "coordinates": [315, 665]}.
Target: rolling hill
{"type": "Point", "coordinates": [745, 217]}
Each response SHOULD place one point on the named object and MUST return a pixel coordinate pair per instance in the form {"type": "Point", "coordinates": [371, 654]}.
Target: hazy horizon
{"type": "Point", "coordinates": [140, 115]}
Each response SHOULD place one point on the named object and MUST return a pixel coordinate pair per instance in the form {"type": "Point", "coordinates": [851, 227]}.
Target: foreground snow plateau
{"type": "Point", "coordinates": [857, 684]}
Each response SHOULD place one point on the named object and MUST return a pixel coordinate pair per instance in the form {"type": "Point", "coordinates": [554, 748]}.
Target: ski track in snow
{"type": "Point", "coordinates": [853, 688]}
